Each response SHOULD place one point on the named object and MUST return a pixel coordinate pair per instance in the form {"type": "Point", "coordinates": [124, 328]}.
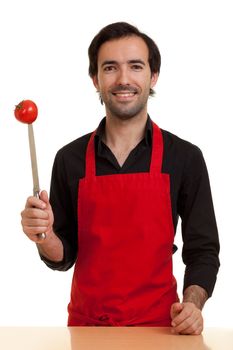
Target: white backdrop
{"type": "Point", "coordinates": [44, 58]}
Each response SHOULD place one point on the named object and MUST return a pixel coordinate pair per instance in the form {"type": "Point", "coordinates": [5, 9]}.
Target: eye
{"type": "Point", "coordinates": [136, 67]}
{"type": "Point", "coordinates": [109, 69]}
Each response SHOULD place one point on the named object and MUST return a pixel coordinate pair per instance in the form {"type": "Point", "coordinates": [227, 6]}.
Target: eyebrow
{"type": "Point", "coordinates": [130, 62]}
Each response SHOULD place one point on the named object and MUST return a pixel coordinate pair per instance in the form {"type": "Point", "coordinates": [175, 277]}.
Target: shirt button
{"type": "Point", "coordinates": [104, 318]}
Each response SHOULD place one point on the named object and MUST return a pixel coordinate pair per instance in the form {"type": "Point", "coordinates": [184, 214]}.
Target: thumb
{"type": "Point", "coordinates": [176, 308]}
{"type": "Point", "coordinates": [44, 197]}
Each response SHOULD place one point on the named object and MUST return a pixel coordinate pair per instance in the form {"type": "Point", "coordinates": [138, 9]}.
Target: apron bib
{"type": "Point", "coordinates": [123, 274]}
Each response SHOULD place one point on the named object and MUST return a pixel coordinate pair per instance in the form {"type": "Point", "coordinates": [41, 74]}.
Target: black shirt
{"type": "Point", "coordinates": [190, 198]}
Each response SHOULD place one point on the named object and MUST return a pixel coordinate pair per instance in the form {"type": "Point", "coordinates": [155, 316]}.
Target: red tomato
{"type": "Point", "coordinates": [26, 111]}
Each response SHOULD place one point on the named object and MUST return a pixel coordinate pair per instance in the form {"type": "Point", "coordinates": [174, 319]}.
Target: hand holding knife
{"type": "Point", "coordinates": [26, 112]}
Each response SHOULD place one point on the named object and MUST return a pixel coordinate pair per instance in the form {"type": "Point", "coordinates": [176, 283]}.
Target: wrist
{"type": "Point", "coordinates": [51, 247]}
{"type": "Point", "coordinates": [196, 295]}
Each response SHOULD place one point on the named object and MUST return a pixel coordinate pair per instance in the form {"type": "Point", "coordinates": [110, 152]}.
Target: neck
{"type": "Point", "coordinates": [124, 134]}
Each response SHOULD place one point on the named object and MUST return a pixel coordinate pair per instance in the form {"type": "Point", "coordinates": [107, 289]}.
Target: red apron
{"type": "Point", "coordinates": [123, 274]}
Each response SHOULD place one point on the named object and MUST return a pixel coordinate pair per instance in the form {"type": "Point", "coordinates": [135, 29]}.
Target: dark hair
{"type": "Point", "coordinates": [120, 30]}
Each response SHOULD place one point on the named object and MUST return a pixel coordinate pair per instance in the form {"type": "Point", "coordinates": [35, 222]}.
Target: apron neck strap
{"type": "Point", "coordinates": [156, 155]}
{"type": "Point", "coordinates": [90, 157]}
{"type": "Point", "coordinates": [157, 150]}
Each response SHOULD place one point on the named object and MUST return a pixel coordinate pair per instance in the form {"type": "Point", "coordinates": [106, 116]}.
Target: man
{"type": "Point", "coordinates": [115, 199]}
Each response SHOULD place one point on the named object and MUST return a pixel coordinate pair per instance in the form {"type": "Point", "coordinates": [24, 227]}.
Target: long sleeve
{"type": "Point", "coordinates": [199, 228]}
{"type": "Point", "coordinates": [65, 225]}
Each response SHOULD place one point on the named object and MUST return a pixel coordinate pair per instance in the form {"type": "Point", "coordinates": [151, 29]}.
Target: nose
{"type": "Point", "coordinates": [123, 76]}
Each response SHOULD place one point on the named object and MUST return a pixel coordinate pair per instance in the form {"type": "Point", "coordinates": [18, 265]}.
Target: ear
{"type": "Point", "coordinates": [154, 79]}
{"type": "Point", "coordinates": [95, 82]}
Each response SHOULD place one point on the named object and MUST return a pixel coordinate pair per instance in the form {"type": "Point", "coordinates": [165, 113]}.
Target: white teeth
{"type": "Point", "coordinates": [125, 94]}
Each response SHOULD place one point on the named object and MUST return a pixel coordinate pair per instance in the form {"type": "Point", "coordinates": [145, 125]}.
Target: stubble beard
{"type": "Point", "coordinates": [124, 111]}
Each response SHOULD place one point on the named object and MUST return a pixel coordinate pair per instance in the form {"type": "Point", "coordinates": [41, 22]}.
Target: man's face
{"type": "Point", "coordinates": [124, 78]}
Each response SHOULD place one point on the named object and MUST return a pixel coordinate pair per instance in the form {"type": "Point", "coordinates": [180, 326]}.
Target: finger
{"type": "Point", "coordinates": [36, 237]}
{"type": "Point", "coordinates": [34, 213]}
{"type": "Point", "coordinates": [183, 327]}
{"type": "Point", "coordinates": [183, 315]}
{"type": "Point", "coordinates": [176, 308]}
{"type": "Point", "coordinates": [35, 222]}
{"type": "Point", "coordinates": [199, 330]}
{"type": "Point", "coordinates": [45, 198]}
{"type": "Point", "coordinates": [191, 322]}
{"type": "Point", "coordinates": [35, 202]}
{"type": "Point", "coordinates": [34, 230]}
{"type": "Point", "coordinates": [194, 329]}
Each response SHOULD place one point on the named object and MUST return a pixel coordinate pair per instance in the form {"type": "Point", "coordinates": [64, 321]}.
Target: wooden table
{"type": "Point", "coordinates": [111, 338]}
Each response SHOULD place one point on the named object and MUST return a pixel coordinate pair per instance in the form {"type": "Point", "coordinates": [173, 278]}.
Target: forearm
{"type": "Point", "coordinates": [196, 295]}
{"type": "Point", "coordinates": [51, 248]}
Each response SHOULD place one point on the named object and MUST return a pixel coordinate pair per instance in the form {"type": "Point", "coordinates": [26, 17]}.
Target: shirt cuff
{"type": "Point", "coordinates": [203, 276]}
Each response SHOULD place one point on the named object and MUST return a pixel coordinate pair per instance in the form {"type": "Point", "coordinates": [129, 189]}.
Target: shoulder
{"type": "Point", "coordinates": [175, 143]}
{"type": "Point", "coordinates": [74, 149]}
{"type": "Point", "coordinates": [69, 161]}
{"type": "Point", "coordinates": [181, 157]}
{"type": "Point", "coordinates": [179, 149]}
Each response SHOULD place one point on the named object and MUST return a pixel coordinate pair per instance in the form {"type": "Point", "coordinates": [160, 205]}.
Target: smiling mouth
{"type": "Point", "coordinates": [124, 94]}
{"type": "Point", "coordinates": [124, 91]}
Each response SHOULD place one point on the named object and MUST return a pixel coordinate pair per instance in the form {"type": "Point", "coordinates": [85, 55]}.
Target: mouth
{"type": "Point", "coordinates": [125, 94]}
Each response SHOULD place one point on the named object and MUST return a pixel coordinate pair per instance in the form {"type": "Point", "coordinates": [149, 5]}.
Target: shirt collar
{"type": "Point", "coordinates": [101, 129]}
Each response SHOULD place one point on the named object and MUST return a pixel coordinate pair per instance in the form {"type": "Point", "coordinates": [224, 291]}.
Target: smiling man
{"type": "Point", "coordinates": [116, 195]}
{"type": "Point", "coordinates": [124, 78]}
